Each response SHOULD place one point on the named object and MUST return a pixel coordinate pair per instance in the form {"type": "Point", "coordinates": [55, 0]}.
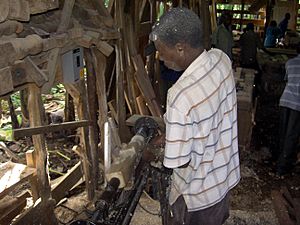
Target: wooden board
{"type": "Point", "coordinates": [13, 174]}
{"type": "Point", "coordinates": [17, 133]}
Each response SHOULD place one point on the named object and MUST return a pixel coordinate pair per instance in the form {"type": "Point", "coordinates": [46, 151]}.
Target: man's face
{"type": "Point", "coordinates": [169, 55]}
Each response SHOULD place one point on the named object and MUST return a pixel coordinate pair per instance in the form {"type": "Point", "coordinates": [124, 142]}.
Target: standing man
{"type": "Point", "coordinates": [290, 117]}
{"type": "Point", "coordinates": [201, 144]}
{"type": "Point", "coordinates": [222, 37]}
{"type": "Point", "coordinates": [283, 25]}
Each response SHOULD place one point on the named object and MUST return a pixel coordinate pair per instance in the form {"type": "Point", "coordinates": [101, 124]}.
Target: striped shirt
{"type": "Point", "coordinates": [290, 97]}
{"type": "Point", "coordinates": [201, 128]}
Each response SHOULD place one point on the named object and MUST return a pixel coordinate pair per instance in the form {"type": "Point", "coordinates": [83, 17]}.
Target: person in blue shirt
{"type": "Point", "coordinates": [283, 25]}
{"type": "Point", "coordinates": [272, 33]}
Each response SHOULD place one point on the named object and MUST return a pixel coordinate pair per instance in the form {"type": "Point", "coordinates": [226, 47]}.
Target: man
{"type": "Point", "coordinates": [290, 117]}
{"type": "Point", "coordinates": [249, 43]}
{"type": "Point", "coordinates": [283, 25]}
{"type": "Point", "coordinates": [201, 122]}
{"type": "Point", "coordinates": [222, 37]}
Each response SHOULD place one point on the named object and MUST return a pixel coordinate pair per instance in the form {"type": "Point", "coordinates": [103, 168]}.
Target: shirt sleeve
{"type": "Point", "coordinates": [179, 138]}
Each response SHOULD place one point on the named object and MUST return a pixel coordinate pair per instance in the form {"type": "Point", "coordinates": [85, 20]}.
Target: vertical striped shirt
{"type": "Point", "coordinates": [290, 97]}
{"type": "Point", "coordinates": [201, 128]}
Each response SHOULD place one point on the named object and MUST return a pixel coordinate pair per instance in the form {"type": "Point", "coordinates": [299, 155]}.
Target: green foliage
{"type": "Point", "coordinates": [106, 2]}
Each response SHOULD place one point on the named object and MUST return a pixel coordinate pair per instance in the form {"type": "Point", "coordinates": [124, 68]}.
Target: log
{"type": "Point", "coordinates": [19, 10]}
{"type": "Point", "coordinates": [10, 153]}
{"type": "Point", "coordinates": [4, 10]}
{"type": "Point", "coordinates": [26, 132]}
{"type": "Point", "coordinates": [10, 27]}
{"type": "Point", "coordinates": [39, 6]}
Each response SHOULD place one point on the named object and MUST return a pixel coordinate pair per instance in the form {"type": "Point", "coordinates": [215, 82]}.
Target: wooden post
{"type": "Point", "coordinates": [78, 92]}
{"type": "Point", "coordinates": [93, 108]}
{"type": "Point", "coordinates": [120, 63]}
{"type": "Point", "coordinates": [31, 162]}
{"type": "Point", "coordinates": [44, 188]}
{"type": "Point", "coordinates": [100, 63]}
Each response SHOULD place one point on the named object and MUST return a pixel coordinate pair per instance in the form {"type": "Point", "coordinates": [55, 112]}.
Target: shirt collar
{"type": "Point", "coordinates": [200, 60]}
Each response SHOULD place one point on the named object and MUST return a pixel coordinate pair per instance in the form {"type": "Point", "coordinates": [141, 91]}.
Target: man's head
{"type": "Point", "coordinates": [287, 16]}
{"type": "Point", "coordinates": [250, 26]}
{"type": "Point", "coordinates": [177, 35]}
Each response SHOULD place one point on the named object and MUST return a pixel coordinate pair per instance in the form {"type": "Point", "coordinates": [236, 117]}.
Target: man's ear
{"type": "Point", "coordinates": [180, 48]}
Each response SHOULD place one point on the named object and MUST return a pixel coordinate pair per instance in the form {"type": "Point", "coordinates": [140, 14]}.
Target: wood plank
{"type": "Point", "coordinates": [33, 214]}
{"type": "Point", "coordinates": [142, 105]}
{"type": "Point", "coordinates": [12, 175]}
{"type": "Point", "coordinates": [10, 153]}
{"type": "Point", "coordinates": [31, 162]}
{"type": "Point", "coordinates": [6, 84]}
{"type": "Point", "coordinates": [11, 208]}
{"type": "Point", "coordinates": [17, 133]}
{"type": "Point", "coordinates": [280, 208]}
{"type": "Point", "coordinates": [60, 190]}
{"type": "Point", "coordinates": [145, 86]}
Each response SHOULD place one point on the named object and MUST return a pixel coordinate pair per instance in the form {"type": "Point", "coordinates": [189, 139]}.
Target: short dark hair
{"type": "Point", "coordinates": [178, 25]}
{"type": "Point", "coordinates": [250, 26]}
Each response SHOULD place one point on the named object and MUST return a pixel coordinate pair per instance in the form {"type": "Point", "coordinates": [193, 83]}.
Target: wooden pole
{"type": "Point", "coordinates": [93, 108]}
{"type": "Point", "coordinates": [41, 155]}
{"type": "Point", "coordinates": [78, 92]}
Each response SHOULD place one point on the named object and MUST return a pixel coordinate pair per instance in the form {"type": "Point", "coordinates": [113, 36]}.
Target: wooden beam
{"type": "Point", "coordinates": [11, 208]}
{"type": "Point", "coordinates": [12, 175]}
{"type": "Point", "coordinates": [60, 190]}
{"type": "Point", "coordinates": [17, 133]}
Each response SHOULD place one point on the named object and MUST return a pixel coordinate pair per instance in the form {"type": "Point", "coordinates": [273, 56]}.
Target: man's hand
{"type": "Point", "coordinates": [159, 141]}
{"type": "Point", "coordinates": [149, 154]}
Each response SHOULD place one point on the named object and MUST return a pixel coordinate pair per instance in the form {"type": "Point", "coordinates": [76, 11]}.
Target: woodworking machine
{"type": "Point", "coordinates": [118, 202]}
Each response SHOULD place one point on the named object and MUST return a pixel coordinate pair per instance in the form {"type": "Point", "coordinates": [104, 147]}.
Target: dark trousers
{"type": "Point", "coordinates": [289, 137]}
{"type": "Point", "coordinates": [214, 215]}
